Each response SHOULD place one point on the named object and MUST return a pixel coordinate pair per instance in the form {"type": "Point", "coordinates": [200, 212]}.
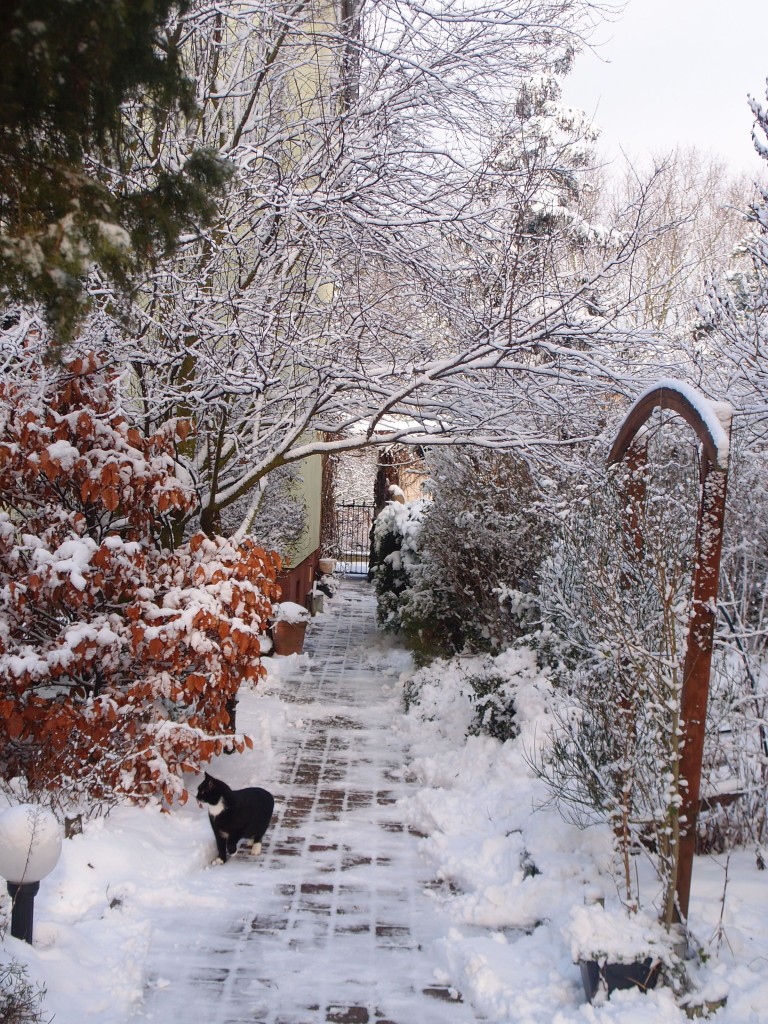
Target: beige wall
{"type": "Point", "coordinates": [308, 488]}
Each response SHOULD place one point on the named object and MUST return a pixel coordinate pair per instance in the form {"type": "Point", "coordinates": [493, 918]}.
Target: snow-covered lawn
{"type": "Point", "coordinates": [510, 875]}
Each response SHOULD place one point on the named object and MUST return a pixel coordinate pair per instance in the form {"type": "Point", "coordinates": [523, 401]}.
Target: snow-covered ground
{"type": "Point", "coordinates": [510, 878]}
{"type": "Point", "coordinates": [520, 882]}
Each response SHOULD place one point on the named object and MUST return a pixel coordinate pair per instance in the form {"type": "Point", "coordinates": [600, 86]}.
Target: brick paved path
{"type": "Point", "coordinates": [331, 923]}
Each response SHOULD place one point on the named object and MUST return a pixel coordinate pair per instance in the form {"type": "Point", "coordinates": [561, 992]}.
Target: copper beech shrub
{"type": "Point", "coordinates": [117, 657]}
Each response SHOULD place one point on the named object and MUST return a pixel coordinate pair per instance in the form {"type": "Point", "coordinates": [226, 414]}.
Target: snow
{"type": "Point", "coordinates": [289, 611]}
{"type": "Point", "coordinates": [71, 558]}
{"type": "Point", "coordinates": [597, 934]}
{"type": "Point", "coordinates": [114, 235]}
{"type": "Point", "coordinates": [523, 886]}
{"type": "Point", "coordinates": [517, 888]}
{"type": "Point", "coordinates": [64, 454]}
{"type": "Point", "coordinates": [716, 416]}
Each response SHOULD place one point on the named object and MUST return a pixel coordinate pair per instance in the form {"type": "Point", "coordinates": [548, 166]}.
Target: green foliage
{"type": "Point", "coordinates": [67, 70]}
{"type": "Point", "coordinates": [494, 706]}
{"type": "Point", "coordinates": [429, 620]}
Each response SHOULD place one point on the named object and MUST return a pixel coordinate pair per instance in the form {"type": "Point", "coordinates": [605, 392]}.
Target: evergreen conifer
{"type": "Point", "coordinates": [77, 185]}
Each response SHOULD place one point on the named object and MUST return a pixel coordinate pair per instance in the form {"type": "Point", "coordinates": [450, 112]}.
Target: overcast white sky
{"type": "Point", "coordinates": [678, 73]}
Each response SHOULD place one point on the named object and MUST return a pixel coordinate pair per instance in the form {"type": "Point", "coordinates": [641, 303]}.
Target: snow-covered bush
{"type": "Point", "coordinates": [484, 684]}
{"type": "Point", "coordinates": [120, 658]}
{"type": "Point", "coordinates": [730, 345]}
{"type": "Point", "coordinates": [474, 695]}
{"type": "Point", "coordinates": [736, 751]}
{"type": "Point", "coordinates": [460, 572]}
{"type": "Point", "coordinates": [396, 553]}
{"type": "Point", "coordinates": [618, 609]}
{"type": "Point", "coordinates": [482, 543]}
{"type": "Point", "coordinates": [494, 704]}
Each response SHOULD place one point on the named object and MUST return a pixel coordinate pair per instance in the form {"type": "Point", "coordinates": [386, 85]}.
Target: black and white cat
{"type": "Point", "coordinates": [236, 814]}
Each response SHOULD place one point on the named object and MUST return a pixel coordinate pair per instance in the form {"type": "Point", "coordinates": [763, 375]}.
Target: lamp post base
{"type": "Point", "coordinates": [22, 915]}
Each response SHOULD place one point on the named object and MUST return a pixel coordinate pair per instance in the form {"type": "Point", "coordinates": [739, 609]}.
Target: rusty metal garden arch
{"type": "Point", "coordinates": [711, 423]}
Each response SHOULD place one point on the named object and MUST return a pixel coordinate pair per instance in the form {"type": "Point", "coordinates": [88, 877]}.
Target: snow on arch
{"type": "Point", "coordinates": [711, 420]}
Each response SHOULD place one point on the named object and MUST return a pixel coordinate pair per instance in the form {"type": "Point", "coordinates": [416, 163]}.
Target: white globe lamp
{"type": "Point", "coordinates": [30, 847]}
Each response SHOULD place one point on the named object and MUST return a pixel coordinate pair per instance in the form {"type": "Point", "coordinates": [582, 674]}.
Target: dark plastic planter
{"type": "Point", "coordinates": [643, 975]}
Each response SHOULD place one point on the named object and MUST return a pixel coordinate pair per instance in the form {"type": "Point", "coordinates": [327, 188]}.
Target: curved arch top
{"type": "Point", "coordinates": [709, 420]}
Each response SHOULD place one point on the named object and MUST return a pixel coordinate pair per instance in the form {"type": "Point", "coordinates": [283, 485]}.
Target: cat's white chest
{"type": "Point", "coordinates": [216, 809]}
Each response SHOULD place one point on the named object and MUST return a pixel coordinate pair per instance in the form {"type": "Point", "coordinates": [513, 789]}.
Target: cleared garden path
{"type": "Point", "coordinates": [333, 923]}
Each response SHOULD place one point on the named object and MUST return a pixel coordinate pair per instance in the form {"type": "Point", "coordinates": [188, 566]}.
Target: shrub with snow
{"type": "Point", "coordinates": [484, 541]}
{"type": "Point", "coordinates": [459, 573]}
{"type": "Point", "coordinates": [120, 657]}
{"type": "Point", "coordinates": [396, 552]}
{"type": "Point", "coordinates": [617, 602]}
{"type": "Point", "coordinates": [481, 691]}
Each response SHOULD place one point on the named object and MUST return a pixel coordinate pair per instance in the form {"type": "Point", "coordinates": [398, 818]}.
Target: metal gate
{"type": "Point", "coordinates": [353, 535]}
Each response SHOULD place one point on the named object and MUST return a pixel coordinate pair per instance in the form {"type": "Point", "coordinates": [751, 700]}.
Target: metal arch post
{"type": "Point", "coordinates": [698, 660]}
{"type": "Point", "coordinates": [701, 626]}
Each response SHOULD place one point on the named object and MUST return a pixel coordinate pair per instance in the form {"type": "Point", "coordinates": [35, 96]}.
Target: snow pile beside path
{"type": "Point", "coordinates": [514, 877]}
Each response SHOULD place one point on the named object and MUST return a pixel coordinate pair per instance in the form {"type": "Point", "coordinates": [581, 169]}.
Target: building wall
{"type": "Point", "coordinates": [296, 581]}
{"type": "Point", "coordinates": [298, 576]}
